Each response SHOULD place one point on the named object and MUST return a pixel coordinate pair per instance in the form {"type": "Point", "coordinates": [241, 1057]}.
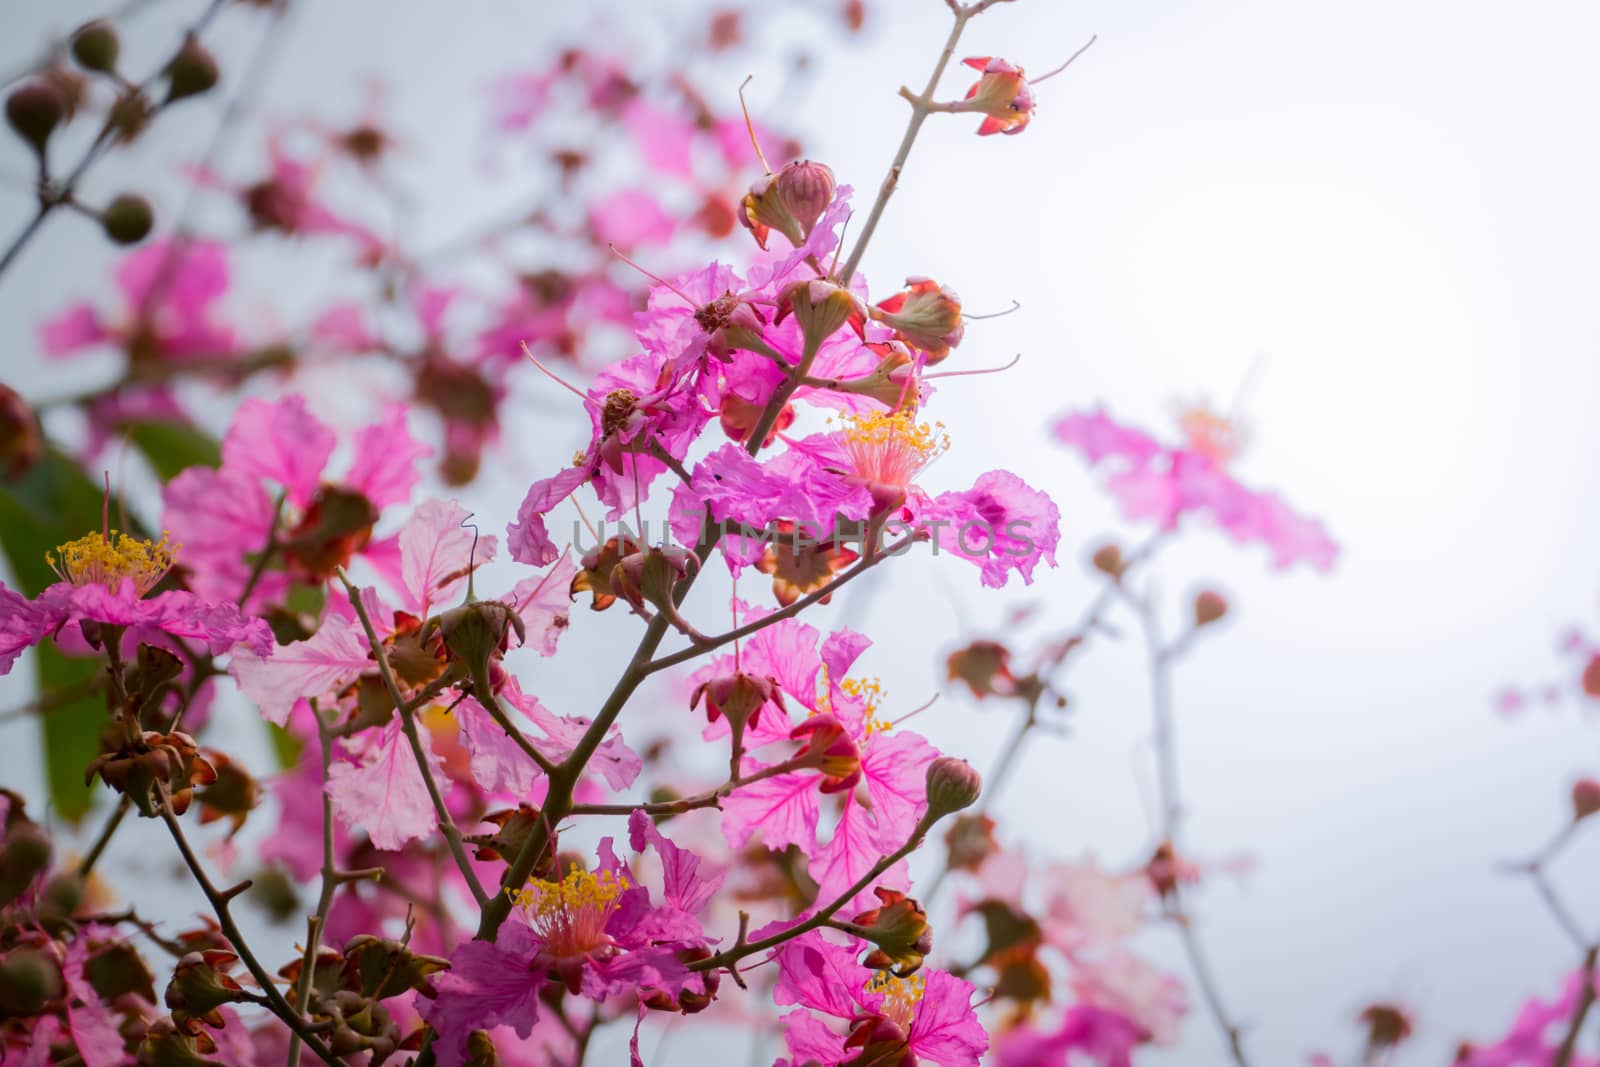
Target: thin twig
{"type": "Point", "coordinates": [220, 900]}
{"type": "Point", "coordinates": [408, 725]}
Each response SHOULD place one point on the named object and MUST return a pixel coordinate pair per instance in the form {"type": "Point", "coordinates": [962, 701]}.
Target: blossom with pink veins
{"type": "Point", "coordinates": [877, 771]}
{"type": "Point", "coordinates": [1164, 483]}
{"type": "Point", "coordinates": [889, 1021]}
{"type": "Point", "coordinates": [597, 932]}
{"type": "Point", "coordinates": [105, 581]}
{"type": "Point", "coordinates": [220, 515]}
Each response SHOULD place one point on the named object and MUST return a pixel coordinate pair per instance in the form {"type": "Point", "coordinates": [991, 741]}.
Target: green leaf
{"type": "Point", "coordinates": [171, 447]}
{"type": "Point", "coordinates": [71, 730]}
{"type": "Point", "coordinates": [285, 746]}
{"type": "Point", "coordinates": [53, 503]}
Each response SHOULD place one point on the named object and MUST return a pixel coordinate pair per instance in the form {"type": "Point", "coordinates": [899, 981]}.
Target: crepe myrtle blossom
{"type": "Point", "coordinates": [875, 772]}
{"type": "Point", "coordinates": [278, 447]}
{"type": "Point", "coordinates": [1163, 483]}
{"type": "Point", "coordinates": [1086, 1034]}
{"type": "Point", "coordinates": [1537, 1033]}
{"type": "Point", "coordinates": [596, 932]}
{"type": "Point", "coordinates": [106, 579]}
{"type": "Point", "coordinates": [169, 292]}
{"type": "Point", "coordinates": [867, 472]}
{"type": "Point", "coordinates": [847, 1013]}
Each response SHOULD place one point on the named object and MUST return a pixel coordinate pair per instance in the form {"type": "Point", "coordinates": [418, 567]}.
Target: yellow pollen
{"type": "Point", "coordinates": [892, 449]}
{"type": "Point", "coordinates": [871, 691]}
{"type": "Point", "coordinates": [900, 996]}
{"type": "Point", "coordinates": [109, 559]}
{"type": "Point", "coordinates": [571, 914]}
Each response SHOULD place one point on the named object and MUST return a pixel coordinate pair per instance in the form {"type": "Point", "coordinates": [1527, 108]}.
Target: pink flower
{"type": "Point", "coordinates": [170, 290]}
{"type": "Point", "coordinates": [105, 579]}
{"type": "Point", "coordinates": [595, 932]}
{"type": "Point", "coordinates": [629, 218]}
{"type": "Point", "coordinates": [1536, 1035]}
{"type": "Point", "coordinates": [1164, 483]}
{"type": "Point", "coordinates": [1105, 1037]}
{"type": "Point", "coordinates": [878, 772]}
{"type": "Point", "coordinates": [221, 515]}
{"type": "Point", "coordinates": [895, 1022]}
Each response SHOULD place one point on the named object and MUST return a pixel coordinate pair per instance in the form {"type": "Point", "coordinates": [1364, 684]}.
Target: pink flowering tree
{"type": "Point", "coordinates": [415, 844]}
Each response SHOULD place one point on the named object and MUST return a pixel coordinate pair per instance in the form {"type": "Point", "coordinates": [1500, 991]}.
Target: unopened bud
{"type": "Point", "coordinates": [60, 897]}
{"type": "Point", "coordinates": [34, 110]}
{"type": "Point", "coordinates": [200, 985]}
{"type": "Point", "coordinates": [95, 46]}
{"type": "Point", "coordinates": [1585, 798]}
{"type": "Point", "coordinates": [29, 979]}
{"type": "Point", "coordinates": [127, 219]}
{"type": "Point", "coordinates": [192, 71]}
{"type": "Point", "coordinates": [1209, 606]}
{"type": "Point", "coordinates": [1107, 559]}
{"type": "Point", "coordinates": [23, 857]}
{"type": "Point", "coordinates": [806, 189]}
{"type": "Point", "coordinates": [953, 784]}
{"type": "Point", "coordinates": [820, 307]}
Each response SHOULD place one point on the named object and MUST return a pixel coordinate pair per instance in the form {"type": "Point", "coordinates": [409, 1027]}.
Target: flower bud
{"type": "Point", "coordinates": [29, 979]}
{"type": "Point", "coordinates": [1209, 606]}
{"type": "Point", "coordinates": [926, 316]}
{"type": "Point", "coordinates": [21, 442]}
{"type": "Point", "coordinates": [820, 307]}
{"type": "Point", "coordinates": [806, 189]}
{"type": "Point", "coordinates": [1585, 798]}
{"type": "Point", "coordinates": [1107, 559]}
{"type": "Point", "coordinates": [953, 784]}
{"type": "Point", "coordinates": [899, 929]}
{"type": "Point", "coordinates": [192, 71]}
{"type": "Point", "coordinates": [596, 569]}
{"type": "Point", "coordinates": [34, 109]}
{"type": "Point", "coordinates": [23, 857]}
{"type": "Point", "coordinates": [480, 631]}
{"type": "Point", "coordinates": [830, 750]}
{"type": "Point", "coordinates": [127, 219]}
{"type": "Point", "coordinates": [60, 897]}
{"type": "Point", "coordinates": [95, 46]}
{"type": "Point", "coordinates": [166, 1044]}
{"type": "Point", "coordinates": [200, 985]}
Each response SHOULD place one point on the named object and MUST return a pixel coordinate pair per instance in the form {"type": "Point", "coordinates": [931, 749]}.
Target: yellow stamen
{"type": "Point", "coordinates": [871, 691]}
{"type": "Point", "coordinates": [900, 996]}
{"type": "Point", "coordinates": [891, 449]}
{"type": "Point", "coordinates": [571, 914]}
{"type": "Point", "coordinates": [111, 558]}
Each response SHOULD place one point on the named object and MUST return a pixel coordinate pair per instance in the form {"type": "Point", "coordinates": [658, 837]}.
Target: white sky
{"type": "Point", "coordinates": [1388, 209]}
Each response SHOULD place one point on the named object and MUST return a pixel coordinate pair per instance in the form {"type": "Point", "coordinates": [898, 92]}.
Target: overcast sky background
{"type": "Point", "coordinates": [1386, 209]}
